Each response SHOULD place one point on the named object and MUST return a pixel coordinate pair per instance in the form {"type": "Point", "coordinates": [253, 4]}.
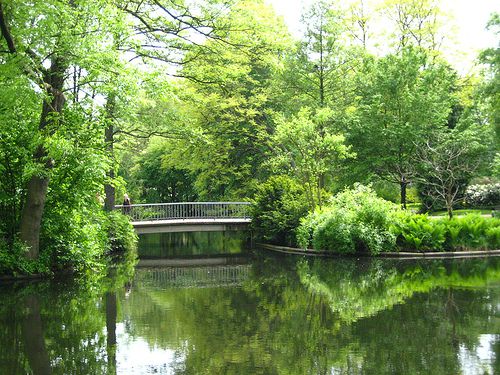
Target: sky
{"type": "Point", "coordinates": [468, 24]}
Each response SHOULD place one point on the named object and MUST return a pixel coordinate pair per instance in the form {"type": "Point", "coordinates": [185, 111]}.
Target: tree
{"type": "Point", "coordinates": [160, 182]}
{"type": "Point", "coordinates": [309, 151]}
{"type": "Point", "coordinates": [43, 40]}
{"type": "Point", "coordinates": [404, 99]}
{"type": "Point", "coordinates": [317, 72]}
{"type": "Point", "coordinates": [491, 88]}
{"type": "Point", "coordinates": [416, 23]}
{"type": "Point", "coordinates": [231, 100]}
{"type": "Point", "coordinates": [447, 164]}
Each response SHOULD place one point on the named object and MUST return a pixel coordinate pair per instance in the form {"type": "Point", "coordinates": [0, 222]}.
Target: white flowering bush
{"type": "Point", "coordinates": [483, 195]}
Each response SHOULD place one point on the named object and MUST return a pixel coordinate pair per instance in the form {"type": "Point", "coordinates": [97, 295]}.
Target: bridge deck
{"type": "Point", "coordinates": [189, 225]}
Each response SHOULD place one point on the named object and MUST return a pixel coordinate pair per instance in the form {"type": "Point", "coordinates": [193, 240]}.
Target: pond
{"type": "Point", "coordinates": [264, 314]}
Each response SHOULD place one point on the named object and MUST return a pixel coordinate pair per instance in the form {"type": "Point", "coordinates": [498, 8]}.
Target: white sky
{"type": "Point", "coordinates": [468, 21]}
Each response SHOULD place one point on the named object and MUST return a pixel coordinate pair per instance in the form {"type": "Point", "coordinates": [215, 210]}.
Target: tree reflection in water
{"type": "Point", "coordinates": [273, 316]}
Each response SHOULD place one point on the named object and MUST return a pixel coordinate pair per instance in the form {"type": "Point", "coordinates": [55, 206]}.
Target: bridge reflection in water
{"type": "Point", "coordinates": [193, 248]}
{"type": "Point", "coordinates": [194, 277]}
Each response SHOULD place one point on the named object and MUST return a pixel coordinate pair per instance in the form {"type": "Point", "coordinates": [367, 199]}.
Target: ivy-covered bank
{"type": "Point", "coordinates": [90, 242]}
{"type": "Point", "coordinates": [357, 221]}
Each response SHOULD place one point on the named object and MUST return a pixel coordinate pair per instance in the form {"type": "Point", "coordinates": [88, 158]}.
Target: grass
{"type": "Point", "coordinates": [462, 212]}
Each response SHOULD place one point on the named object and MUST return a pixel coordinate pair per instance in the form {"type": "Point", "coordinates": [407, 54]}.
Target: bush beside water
{"type": "Point", "coordinates": [358, 221]}
{"type": "Point", "coordinates": [279, 204]}
{"type": "Point", "coordinates": [471, 232]}
{"type": "Point", "coordinates": [355, 221]}
{"type": "Point", "coordinates": [87, 242]}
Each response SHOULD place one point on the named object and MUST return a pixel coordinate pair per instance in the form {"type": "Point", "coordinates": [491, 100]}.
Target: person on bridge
{"type": "Point", "coordinates": [126, 203]}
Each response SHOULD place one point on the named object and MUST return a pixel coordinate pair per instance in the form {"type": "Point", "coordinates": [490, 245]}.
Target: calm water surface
{"type": "Point", "coordinates": [269, 315]}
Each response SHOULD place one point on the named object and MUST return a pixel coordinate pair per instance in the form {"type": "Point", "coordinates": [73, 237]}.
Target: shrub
{"type": "Point", "coordinates": [472, 232]}
{"type": "Point", "coordinates": [86, 240]}
{"type": "Point", "coordinates": [483, 195]}
{"type": "Point", "coordinates": [418, 232]}
{"type": "Point", "coordinates": [355, 221]}
{"type": "Point", "coordinates": [307, 226]}
{"type": "Point", "coordinates": [278, 206]}
{"type": "Point", "coordinates": [13, 260]}
{"type": "Point", "coordinates": [121, 234]}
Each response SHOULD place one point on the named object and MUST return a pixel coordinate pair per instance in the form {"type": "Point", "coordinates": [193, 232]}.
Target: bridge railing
{"type": "Point", "coordinates": [187, 210]}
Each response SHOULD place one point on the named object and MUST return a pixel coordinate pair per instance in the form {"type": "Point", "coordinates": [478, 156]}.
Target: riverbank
{"type": "Point", "coordinates": [398, 255]}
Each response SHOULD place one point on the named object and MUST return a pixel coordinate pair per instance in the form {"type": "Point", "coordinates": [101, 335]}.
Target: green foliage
{"type": "Point", "coordinates": [13, 261]}
{"type": "Point", "coordinates": [121, 234]}
{"type": "Point", "coordinates": [355, 221]}
{"type": "Point", "coordinates": [278, 206]}
{"type": "Point", "coordinates": [230, 98]}
{"type": "Point", "coordinates": [472, 232]}
{"type": "Point", "coordinates": [307, 150]}
{"type": "Point", "coordinates": [418, 232]}
{"type": "Point", "coordinates": [391, 192]}
{"type": "Point", "coordinates": [404, 98]}
{"type": "Point", "coordinates": [159, 181]}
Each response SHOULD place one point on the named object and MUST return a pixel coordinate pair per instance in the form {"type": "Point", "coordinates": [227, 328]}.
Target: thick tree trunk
{"type": "Point", "coordinates": [31, 217]}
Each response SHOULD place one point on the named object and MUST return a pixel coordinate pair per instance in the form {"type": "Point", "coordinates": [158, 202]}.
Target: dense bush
{"type": "Point", "coordinates": [121, 234]}
{"type": "Point", "coordinates": [358, 221]}
{"type": "Point", "coordinates": [419, 233]}
{"type": "Point", "coordinates": [279, 204]}
{"type": "Point", "coordinates": [79, 241]}
{"type": "Point", "coordinates": [355, 221]}
{"type": "Point", "coordinates": [472, 232]}
{"type": "Point", "coordinates": [13, 260]}
{"type": "Point", "coordinates": [483, 195]}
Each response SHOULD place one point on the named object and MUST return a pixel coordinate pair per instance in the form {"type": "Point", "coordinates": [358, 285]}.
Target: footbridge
{"type": "Point", "coordinates": [188, 216]}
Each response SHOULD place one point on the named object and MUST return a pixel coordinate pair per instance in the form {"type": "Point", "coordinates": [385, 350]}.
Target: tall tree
{"type": "Point", "coordinates": [43, 40]}
{"type": "Point", "coordinates": [491, 89]}
{"type": "Point", "coordinates": [404, 99]}
{"type": "Point", "coordinates": [415, 23]}
{"type": "Point", "coordinates": [316, 74]}
{"type": "Point", "coordinates": [231, 98]}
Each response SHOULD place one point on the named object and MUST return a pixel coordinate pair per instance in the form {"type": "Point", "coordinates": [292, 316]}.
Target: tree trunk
{"type": "Point", "coordinates": [403, 183]}
{"type": "Point", "coordinates": [31, 217]}
{"type": "Point", "coordinates": [449, 208]}
{"type": "Point", "coordinates": [109, 189]}
{"type": "Point", "coordinates": [111, 314]}
{"type": "Point", "coordinates": [33, 338]}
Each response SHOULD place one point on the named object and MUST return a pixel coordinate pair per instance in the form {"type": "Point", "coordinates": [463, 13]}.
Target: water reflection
{"type": "Point", "coordinates": [272, 316]}
{"type": "Point", "coordinates": [192, 244]}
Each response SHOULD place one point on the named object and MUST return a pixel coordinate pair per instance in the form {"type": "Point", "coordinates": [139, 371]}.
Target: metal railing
{"type": "Point", "coordinates": [187, 210]}
{"type": "Point", "coordinates": [195, 276]}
